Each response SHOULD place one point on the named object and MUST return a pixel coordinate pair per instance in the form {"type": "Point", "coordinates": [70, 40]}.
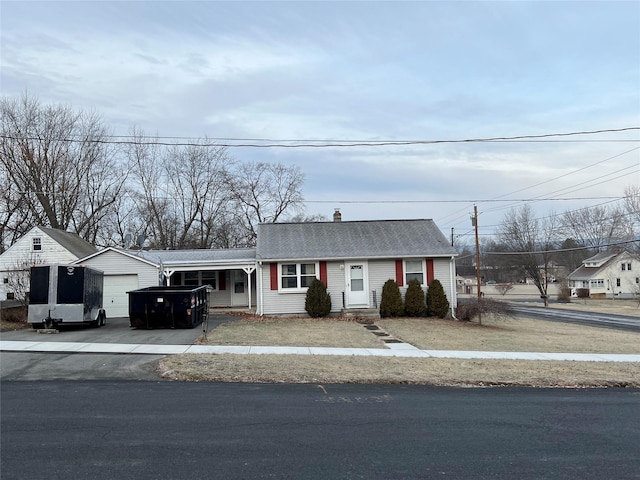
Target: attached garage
{"type": "Point", "coordinates": [123, 271]}
{"type": "Point", "coordinates": [116, 300]}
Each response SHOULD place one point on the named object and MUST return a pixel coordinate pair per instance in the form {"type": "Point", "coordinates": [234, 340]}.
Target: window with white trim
{"type": "Point", "coordinates": [197, 278]}
{"type": "Point", "coordinates": [597, 283]}
{"type": "Point", "coordinates": [617, 282]}
{"type": "Point", "coordinates": [297, 276]}
{"type": "Point", "coordinates": [414, 269]}
{"type": "Point", "coordinates": [36, 243]}
{"type": "Point", "coordinates": [209, 277]}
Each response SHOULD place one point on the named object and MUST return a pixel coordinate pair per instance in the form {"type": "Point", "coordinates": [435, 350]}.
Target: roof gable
{"type": "Point", "coordinates": [359, 239]}
{"type": "Point", "coordinates": [70, 241]}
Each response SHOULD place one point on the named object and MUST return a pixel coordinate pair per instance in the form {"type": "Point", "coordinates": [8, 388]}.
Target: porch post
{"type": "Point", "coordinates": [249, 270]}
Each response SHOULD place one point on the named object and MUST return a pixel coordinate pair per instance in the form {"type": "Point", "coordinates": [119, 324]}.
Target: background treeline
{"type": "Point", "coordinates": [61, 168]}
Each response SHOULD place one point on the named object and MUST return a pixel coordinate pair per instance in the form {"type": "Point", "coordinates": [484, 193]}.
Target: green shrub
{"type": "Point", "coordinates": [437, 303]}
{"type": "Point", "coordinates": [414, 305]}
{"type": "Point", "coordinates": [318, 301]}
{"type": "Point", "coordinates": [391, 300]}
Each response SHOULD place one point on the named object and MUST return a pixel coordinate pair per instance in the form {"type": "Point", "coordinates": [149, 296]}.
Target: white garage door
{"type": "Point", "coordinates": [116, 300]}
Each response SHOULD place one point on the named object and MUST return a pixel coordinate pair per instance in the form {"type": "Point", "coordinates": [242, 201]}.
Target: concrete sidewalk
{"type": "Point", "coordinates": [393, 350]}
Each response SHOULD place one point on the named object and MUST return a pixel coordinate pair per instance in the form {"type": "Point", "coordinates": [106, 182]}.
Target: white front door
{"type": "Point", "coordinates": [357, 284]}
{"type": "Point", "coordinates": [239, 295]}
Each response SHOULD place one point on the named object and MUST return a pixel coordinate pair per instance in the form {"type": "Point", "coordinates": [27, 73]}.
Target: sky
{"type": "Point", "coordinates": [368, 72]}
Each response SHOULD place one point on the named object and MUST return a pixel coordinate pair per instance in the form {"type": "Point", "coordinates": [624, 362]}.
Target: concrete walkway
{"type": "Point", "coordinates": [393, 350]}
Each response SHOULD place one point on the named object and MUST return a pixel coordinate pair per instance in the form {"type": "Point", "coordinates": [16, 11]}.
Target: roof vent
{"type": "Point", "coordinates": [337, 216]}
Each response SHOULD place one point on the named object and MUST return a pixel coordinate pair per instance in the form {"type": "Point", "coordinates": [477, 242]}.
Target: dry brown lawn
{"type": "Point", "coordinates": [296, 332]}
{"type": "Point", "coordinates": [500, 335]}
{"type": "Point", "coordinates": [510, 335]}
{"type": "Point", "coordinates": [429, 371]}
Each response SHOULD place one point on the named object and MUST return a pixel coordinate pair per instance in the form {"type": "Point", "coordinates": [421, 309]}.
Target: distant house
{"type": "Point", "coordinates": [39, 245]}
{"type": "Point", "coordinates": [353, 259]}
{"type": "Point", "coordinates": [608, 275]}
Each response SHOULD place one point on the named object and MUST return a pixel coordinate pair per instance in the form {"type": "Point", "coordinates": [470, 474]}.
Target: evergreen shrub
{"type": "Point", "coordinates": [414, 305]}
{"type": "Point", "coordinates": [437, 303]}
{"type": "Point", "coordinates": [391, 300]}
{"type": "Point", "coordinates": [318, 301]}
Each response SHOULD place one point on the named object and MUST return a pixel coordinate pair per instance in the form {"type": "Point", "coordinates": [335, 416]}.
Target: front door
{"type": "Point", "coordinates": [357, 284]}
{"type": "Point", "coordinates": [239, 296]}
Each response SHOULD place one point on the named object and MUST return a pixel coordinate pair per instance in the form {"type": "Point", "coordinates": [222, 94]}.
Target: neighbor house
{"type": "Point", "coordinates": [353, 259]}
{"type": "Point", "coordinates": [40, 245]}
{"type": "Point", "coordinates": [230, 273]}
{"type": "Point", "coordinates": [608, 275]}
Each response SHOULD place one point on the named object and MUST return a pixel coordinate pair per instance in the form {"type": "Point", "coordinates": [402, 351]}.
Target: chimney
{"type": "Point", "coordinates": [337, 216]}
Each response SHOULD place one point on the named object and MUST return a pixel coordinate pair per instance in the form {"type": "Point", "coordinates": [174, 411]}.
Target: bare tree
{"type": "Point", "coordinates": [503, 288]}
{"type": "Point", "coordinates": [181, 193]}
{"type": "Point", "coordinates": [596, 226]}
{"type": "Point", "coordinates": [531, 243]}
{"type": "Point", "coordinates": [64, 175]}
{"type": "Point", "coordinates": [263, 193]}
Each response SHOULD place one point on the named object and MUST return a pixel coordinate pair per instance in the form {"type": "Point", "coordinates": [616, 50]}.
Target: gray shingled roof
{"type": "Point", "coordinates": [192, 257]}
{"type": "Point", "coordinates": [71, 241]}
{"type": "Point", "coordinates": [343, 240]}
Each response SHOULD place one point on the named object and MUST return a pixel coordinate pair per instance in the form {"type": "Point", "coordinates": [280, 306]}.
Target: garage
{"type": "Point", "coordinates": [116, 300]}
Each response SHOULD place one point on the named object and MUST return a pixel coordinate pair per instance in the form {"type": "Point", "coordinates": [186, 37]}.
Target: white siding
{"type": "Point", "coordinates": [442, 271]}
{"type": "Point", "coordinates": [113, 263]}
{"type": "Point", "coordinates": [276, 303]}
{"type": "Point", "coordinates": [22, 255]}
{"type": "Point", "coordinates": [379, 271]}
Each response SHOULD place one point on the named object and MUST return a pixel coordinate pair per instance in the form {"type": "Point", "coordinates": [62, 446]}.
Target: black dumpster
{"type": "Point", "coordinates": [168, 307]}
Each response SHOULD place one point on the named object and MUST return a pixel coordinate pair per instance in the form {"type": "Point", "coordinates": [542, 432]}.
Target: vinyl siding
{"type": "Point", "coordinates": [21, 254]}
{"type": "Point", "coordinates": [379, 271]}
{"type": "Point", "coordinates": [114, 263]}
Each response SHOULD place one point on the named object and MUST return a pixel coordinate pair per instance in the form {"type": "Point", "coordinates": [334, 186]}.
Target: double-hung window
{"type": "Point", "coordinates": [297, 276]}
{"type": "Point", "coordinates": [37, 244]}
{"type": "Point", "coordinates": [414, 269]}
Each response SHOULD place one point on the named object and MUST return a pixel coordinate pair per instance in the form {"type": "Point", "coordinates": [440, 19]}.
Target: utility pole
{"type": "Point", "coordinates": [474, 221]}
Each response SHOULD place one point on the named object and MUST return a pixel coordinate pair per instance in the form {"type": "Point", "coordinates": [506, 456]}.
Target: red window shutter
{"type": "Point", "coordinates": [274, 276]}
{"type": "Point", "coordinates": [399, 273]}
{"type": "Point", "coordinates": [430, 274]}
{"type": "Point", "coordinates": [222, 280]}
{"type": "Point", "coordinates": [323, 273]}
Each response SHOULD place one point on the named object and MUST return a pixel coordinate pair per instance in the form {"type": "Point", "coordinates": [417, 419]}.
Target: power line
{"type": "Point", "coordinates": [564, 249]}
{"type": "Point", "coordinates": [309, 143]}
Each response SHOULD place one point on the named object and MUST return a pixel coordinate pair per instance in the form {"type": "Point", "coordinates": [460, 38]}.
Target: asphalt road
{"type": "Point", "coordinates": [594, 319]}
{"type": "Point", "coordinates": [172, 430]}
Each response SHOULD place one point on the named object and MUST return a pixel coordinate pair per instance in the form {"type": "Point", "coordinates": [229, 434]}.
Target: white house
{"type": "Point", "coordinates": [608, 275]}
{"type": "Point", "coordinates": [39, 245]}
{"type": "Point", "coordinates": [353, 260]}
